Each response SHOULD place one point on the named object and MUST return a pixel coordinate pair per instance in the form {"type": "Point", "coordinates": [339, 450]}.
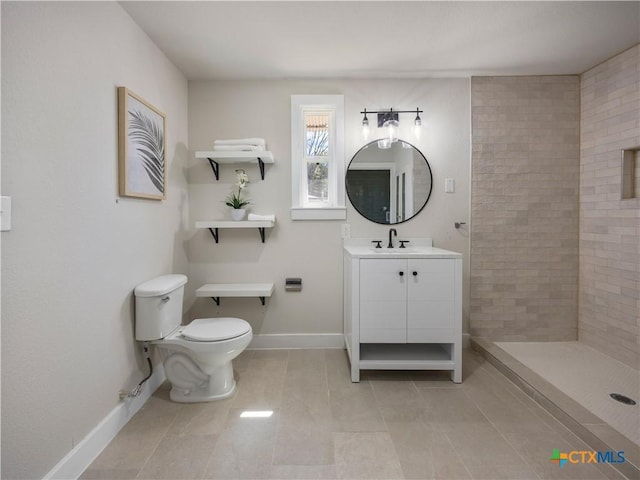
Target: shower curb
{"type": "Point", "coordinates": [585, 425]}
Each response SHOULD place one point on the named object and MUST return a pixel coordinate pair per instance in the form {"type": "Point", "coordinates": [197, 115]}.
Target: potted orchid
{"type": "Point", "coordinates": [235, 200]}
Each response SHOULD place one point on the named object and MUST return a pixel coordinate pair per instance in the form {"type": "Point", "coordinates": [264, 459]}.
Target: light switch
{"type": "Point", "coordinates": [5, 214]}
{"type": "Point", "coordinates": [449, 185]}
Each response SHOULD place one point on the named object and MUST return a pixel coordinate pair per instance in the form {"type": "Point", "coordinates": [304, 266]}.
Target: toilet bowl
{"type": "Point", "coordinates": [197, 357]}
{"type": "Point", "coordinates": [198, 363]}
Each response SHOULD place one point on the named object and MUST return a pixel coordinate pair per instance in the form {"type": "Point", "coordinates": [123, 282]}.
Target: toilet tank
{"type": "Point", "coordinates": [159, 306]}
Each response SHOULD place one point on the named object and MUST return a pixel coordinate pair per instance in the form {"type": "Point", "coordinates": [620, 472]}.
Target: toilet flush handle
{"type": "Point", "coordinates": [166, 299]}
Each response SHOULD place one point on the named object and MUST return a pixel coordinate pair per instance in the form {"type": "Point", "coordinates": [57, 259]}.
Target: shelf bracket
{"type": "Point", "coordinates": [217, 300]}
{"type": "Point", "coordinates": [215, 167]}
{"type": "Point", "coordinates": [214, 232]}
{"type": "Point", "coordinates": [261, 165]}
{"type": "Point", "coordinates": [216, 236]}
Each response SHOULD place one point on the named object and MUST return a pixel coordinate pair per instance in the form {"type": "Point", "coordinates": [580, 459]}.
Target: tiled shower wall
{"type": "Point", "coordinates": [524, 207]}
{"type": "Point", "coordinates": [609, 226]}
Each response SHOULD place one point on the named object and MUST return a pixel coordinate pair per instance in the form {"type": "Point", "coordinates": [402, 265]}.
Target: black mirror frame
{"type": "Point", "coordinates": [346, 186]}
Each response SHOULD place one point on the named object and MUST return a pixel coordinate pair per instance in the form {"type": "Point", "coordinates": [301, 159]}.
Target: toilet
{"type": "Point", "coordinates": [196, 357]}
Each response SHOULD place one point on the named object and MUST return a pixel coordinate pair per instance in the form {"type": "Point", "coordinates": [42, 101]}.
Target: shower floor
{"type": "Point", "coordinates": [588, 377]}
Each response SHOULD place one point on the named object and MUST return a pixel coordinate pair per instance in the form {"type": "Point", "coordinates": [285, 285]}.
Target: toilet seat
{"type": "Point", "coordinates": [215, 329]}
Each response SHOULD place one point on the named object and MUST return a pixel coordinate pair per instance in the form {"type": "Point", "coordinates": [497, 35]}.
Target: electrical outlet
{"type": "Point", "coordinates": [346, 230]}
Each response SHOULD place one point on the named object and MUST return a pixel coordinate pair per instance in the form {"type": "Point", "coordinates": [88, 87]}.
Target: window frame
{"type": "Point", "coordinates": [335, 208]}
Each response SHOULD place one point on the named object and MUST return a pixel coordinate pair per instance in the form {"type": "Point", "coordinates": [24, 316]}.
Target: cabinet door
{"type": "Point", "coordinates": [431, 300]}
{"type": "Point", "coordinates": [383, 301]}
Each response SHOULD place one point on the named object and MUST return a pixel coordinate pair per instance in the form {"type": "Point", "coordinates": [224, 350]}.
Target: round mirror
{"type": "Point", "coordinates": [389, 183]}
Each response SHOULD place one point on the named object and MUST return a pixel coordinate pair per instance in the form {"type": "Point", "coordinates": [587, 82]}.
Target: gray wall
{"type": "Point", "coordinates": [609, 226]}
{"type": "Point", "coordinates": [311, 249]}
{"type": "Point", "coordinates": [555, 251]}
{"type": "Point", "coordinates": [75, 252]}
{"type": "Point", "coordinates": [524, 237]}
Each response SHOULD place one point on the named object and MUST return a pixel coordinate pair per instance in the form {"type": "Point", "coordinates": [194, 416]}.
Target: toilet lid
{"type": "Point", "coordinates": [214, 329]}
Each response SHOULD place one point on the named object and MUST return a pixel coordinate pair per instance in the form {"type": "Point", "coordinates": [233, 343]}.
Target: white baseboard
{"type": "Point", "coordinates": [88, 449]}
{"type": "Point", "coordinates": [297, 340]}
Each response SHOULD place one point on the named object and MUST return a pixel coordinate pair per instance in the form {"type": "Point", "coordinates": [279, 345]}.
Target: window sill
{"type": "Point", "coordinates": [320, 213]}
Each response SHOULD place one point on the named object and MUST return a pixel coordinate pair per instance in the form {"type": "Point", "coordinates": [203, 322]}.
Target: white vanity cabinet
{"type": "Point", "coordinates": [403, 311]}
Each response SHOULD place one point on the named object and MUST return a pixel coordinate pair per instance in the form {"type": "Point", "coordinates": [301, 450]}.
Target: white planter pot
{"type": "Point", "coordinates": [237, 214]}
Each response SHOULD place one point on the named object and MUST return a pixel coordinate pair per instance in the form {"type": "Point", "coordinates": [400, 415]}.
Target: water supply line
{"type": "Point", "coordinates": [136, 391]}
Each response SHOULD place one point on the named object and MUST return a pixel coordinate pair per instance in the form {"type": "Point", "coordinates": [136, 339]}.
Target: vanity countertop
{"type": "Point", "coordinates": [415, 249]}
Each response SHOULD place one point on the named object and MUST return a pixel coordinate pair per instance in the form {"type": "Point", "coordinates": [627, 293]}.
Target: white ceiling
{"type": "Point", "coordinates": [386, 39]}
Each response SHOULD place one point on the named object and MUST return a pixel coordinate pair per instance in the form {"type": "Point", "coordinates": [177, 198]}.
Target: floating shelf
{"type": "Point", "coordinates": [217, 290]}
{"type": "Point", "coordinates": [217, 157]}
{"type": "Point", "coordinates": [214, 225]}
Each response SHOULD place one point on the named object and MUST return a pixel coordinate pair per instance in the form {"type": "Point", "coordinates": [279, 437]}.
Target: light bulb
{"type": "Point", "coordinates": [417, 124]}
{"type": "Point", "coordinates": [391, 127]}
{"type": "Point", "coordinates": [365, 126]}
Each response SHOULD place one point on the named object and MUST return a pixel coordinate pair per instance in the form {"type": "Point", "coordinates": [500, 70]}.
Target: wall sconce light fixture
{"type": "Point", "coordinates": [388, 119]}
{"type": "Point", "coordinates": [365, 125]}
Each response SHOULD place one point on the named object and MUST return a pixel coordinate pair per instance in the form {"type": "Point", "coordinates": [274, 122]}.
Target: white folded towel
{"type": "Point", "coordinates": [255, 216]}
{"type": "Point", "coordinates": [242, 141]}
{"type": "Point", "coordinates": [238, 148]}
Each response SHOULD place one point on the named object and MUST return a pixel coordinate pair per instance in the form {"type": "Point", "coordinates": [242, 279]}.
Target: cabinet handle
{"type": "Point", "coordinates": [415, 274]}
{"type": "Point", "coordinates": [401, 274]}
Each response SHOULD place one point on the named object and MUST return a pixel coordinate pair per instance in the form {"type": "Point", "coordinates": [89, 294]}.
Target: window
{"type": "Point", "coordinates": [317, 157]}
{"type": "Point", "coordinates": [316, 153]}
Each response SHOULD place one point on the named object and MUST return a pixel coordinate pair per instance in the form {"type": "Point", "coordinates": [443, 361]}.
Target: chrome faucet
{"type": "Point", "coordinates": [394, 232]}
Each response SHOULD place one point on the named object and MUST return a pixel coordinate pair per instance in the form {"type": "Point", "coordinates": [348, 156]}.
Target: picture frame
{"type": "Point", "coordinates": [142, 171]}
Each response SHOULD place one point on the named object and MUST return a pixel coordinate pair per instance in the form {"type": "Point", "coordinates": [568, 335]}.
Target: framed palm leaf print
{"type": "Point", "coordinates": [141, 147]}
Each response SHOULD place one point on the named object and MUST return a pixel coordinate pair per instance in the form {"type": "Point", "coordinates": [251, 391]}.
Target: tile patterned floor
{"type": "Point", "coordinates": [391, 425]}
